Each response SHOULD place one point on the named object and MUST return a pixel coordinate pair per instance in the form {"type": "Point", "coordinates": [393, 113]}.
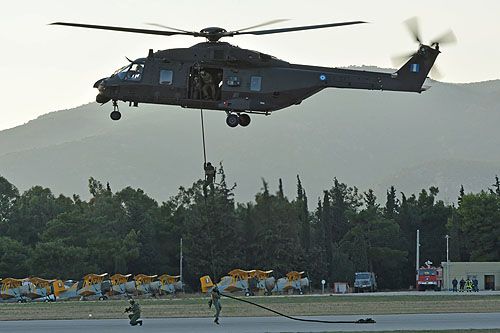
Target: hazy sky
{"type": "Point", "coordinates": [48, 68]}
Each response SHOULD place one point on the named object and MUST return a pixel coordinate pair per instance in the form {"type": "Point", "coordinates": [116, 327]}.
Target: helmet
{"type": "Point", "coordinates": [209, 164]}
{"type": "Point", "coordinates": [131, 301]}
{"type": "Point", "coordinates": [216, 288]}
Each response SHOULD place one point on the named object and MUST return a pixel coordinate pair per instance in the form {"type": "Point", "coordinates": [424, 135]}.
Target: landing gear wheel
{"type": "Point", "coordinates": [116, 115]}
{"type": "Point", "coordinates": [244, 119]}
{"type": "Point", "coordinates": [232, 120]}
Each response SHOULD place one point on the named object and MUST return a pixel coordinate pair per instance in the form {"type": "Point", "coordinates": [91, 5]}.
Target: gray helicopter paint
{"type": "Point", "coordinates": [244, 80]}
{"type": "Point", "coordinates": [281, 84]}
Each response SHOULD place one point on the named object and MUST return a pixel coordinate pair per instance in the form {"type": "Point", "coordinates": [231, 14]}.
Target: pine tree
{"type": "Point", "coordinates": [496, 186]}
{"type": "Point", "coordinates": [391, 204]}
{"type": "Point", "coordinates": [303, 216]}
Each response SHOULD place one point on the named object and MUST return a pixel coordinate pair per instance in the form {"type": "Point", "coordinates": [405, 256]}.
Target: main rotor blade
{"type": "Point", "coordinates": [139, 31]}
{"type": "Point", "coordinates": [307, 27]}
{"type": "Point", "coordinates": [165, 27]}
{"type": "Point", "coordinates": [263, 24]}
{"type": "Point", "coordinates": [412, 25]}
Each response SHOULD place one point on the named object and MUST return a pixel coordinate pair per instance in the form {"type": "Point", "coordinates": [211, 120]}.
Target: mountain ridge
{"type": "Point", "coordinates": [368, 139]}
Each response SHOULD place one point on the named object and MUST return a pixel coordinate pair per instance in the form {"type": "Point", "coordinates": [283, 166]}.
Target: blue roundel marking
{"type": "Point", "coordinates": [322, 77]}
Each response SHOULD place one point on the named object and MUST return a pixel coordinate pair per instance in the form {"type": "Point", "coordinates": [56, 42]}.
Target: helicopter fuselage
{"type": "Point", "coordinates": [244, 81]}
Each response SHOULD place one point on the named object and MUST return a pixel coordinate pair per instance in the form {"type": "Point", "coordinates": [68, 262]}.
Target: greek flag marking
{"type": "Point", "coordinates": [415, 68]}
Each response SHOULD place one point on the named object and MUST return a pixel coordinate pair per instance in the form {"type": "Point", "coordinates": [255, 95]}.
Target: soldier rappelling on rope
{"type": "Point", "coordinates": [209, 177]}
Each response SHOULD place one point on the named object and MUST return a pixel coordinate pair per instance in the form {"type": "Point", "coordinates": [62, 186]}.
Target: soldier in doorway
{"type": "Point", "coordinates": [208, 85]}
{"type": "Point", "coordinates": [455, 284]}
{"type": "Point", "coordinates": [209, 177]}
{"type": "Point", "coordinates": [196, 88]}
{"type": "Point", "coordinates": [136, 313]}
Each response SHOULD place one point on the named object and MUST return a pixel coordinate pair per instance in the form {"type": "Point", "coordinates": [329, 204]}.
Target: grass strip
{"type": "Point", "coordinates": [291, 305]}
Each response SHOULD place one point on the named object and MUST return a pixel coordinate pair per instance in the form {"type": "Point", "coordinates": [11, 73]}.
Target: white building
{"type": "Point", "coordinates": [487, 274]}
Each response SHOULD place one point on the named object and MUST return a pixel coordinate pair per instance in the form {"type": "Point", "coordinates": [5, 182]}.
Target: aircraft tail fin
{"type": "Point", "coordinates": [58, 287]}
{"type": "Point", "coordinates": [206, 283]}
{"type": "Point", "coordinates": [414, 72]}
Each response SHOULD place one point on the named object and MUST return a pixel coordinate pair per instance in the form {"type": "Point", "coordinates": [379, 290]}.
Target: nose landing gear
{"type": "Point", "coordinates": [234, 120]}
{"type": "Point", "coordinates": [115, 115]}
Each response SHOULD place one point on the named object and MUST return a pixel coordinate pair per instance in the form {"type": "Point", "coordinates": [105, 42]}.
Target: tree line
{"type": "Point", "coordinates": [128, 232]}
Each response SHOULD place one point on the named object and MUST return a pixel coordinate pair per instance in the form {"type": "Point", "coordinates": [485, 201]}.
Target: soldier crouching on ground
{"type": "Point", "coordinates": [136, 313]}
{"type": "Point", "coordinates": [215, 297]}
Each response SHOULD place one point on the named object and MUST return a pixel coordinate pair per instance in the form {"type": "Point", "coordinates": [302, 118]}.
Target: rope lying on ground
{"type": "Point", "coordinates": [360, 321]}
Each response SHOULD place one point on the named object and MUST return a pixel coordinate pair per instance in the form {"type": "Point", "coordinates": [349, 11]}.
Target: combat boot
{"type": "Point", "coordinates": [216, 321]}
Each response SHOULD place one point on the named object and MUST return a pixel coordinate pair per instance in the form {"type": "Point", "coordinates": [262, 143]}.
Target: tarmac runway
{"type": "Point", "coordinates": [444, 321]}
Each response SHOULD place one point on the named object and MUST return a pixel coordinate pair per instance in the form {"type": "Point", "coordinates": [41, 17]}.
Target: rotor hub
{"type": "Point", "coordinates": [213, 34]}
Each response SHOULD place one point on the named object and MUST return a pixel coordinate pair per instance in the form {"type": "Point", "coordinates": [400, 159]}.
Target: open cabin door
{"type": "Point", "coordinates": [205, 83]}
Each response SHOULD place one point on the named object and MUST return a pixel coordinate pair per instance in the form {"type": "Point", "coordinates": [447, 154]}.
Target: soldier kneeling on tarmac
{"type": "Point", "coordinates": [136, 313]}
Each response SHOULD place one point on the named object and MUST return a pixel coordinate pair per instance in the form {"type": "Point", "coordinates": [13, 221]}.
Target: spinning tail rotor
{"type": "Point", "coordinates": [413, 27]}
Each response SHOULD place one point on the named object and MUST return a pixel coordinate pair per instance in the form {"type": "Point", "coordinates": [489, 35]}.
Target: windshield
{"type": "Point", "coordinates": [132, 72]}
{"type": "Point", "coordinates": [121, 72]}
{"type": "Point", "coordinates": [363, 276]}
{"type": "Point", "coordinates": [427, 272]}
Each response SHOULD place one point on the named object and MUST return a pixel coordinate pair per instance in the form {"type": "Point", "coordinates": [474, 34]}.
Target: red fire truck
{"type": "Point", "coordinates": [429, 277]}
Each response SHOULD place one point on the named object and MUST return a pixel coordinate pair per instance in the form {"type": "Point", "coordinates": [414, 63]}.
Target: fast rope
{"type": "Point", "coordinates": [203, 137]}
{"type": "Point", "coordinates": [360, 321]}
{"type": "Point", "coordinates": [204, 163]}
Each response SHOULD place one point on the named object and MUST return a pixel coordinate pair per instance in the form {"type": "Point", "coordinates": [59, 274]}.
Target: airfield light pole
{"type": "Point", "coordinates": [180, 269]}
{"type": "Point", "coordinates": [418, 257]}
{"type": "Point", "coordinates": [447, 262]}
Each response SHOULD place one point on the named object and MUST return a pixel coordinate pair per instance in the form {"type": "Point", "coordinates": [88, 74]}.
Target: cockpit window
{"type": "Point", "coordinates": [135, 72]}
{"type": "Point", "coordinates": [121, 72]}
{"type": "Point", "coordinates": [131, 72]}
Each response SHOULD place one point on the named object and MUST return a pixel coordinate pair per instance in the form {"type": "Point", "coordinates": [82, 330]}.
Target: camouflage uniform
{"type": "Point", "coordinates": [215, 301]}
{"type": "Point", "coordinates": [196, 88]}
{"type": "Point", "coordinates": [209, 177]}
{"type": "Point", "coordinates": [136, 313]}
{"type": "Point", "coordinates": [208, 84]}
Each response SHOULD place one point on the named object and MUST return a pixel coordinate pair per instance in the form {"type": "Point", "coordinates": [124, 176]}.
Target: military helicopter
{"type": "Point", "coordinates": [219, 76]}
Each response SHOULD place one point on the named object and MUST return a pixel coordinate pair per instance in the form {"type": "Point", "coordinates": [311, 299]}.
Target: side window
{"type": "Point", "coordinates": [135, 72]}
{"type": "Point", "coordinates": [255, 83]}
{"type": "Point", "coordinates": [166, 76]}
